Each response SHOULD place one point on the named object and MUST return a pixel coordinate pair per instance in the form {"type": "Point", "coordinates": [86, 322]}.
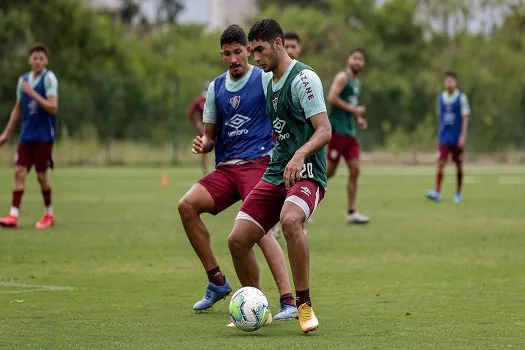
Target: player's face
{"type": "Point", "coordinates": [266, 55]}
{"type": "Point", "coordinates": [38, 61]}
{"type": "Point", "coordinates": [356, 62]}
{"type": "Point", "coordinates": [451, 84]}
{"type": "Point", "coordinates": [293, 48]}
{"type": "Point", "coordinates": [235, 57]}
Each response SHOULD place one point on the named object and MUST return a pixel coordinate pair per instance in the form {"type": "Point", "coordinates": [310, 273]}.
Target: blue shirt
{"type": "Point", "coordinates": [38, 125]}
{"type": "Point", "coordinates": [451, 110]}
{"type": "Point", "coordinates": [244, 131]}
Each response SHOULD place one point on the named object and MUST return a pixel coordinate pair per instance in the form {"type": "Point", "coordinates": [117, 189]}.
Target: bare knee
{"type": "Point", "coordinates": [20, 177]}
{"type": "Point", "coordinates": [236, 244]}
{"type": "Point", "coordinates": [441, 165]}
{"type": "Point", "coordinates": [292, 223]}
{"type": "Point", "coordinates": [42, 179]}
{"type": "Point", "coordinates": [187, 208]}
{"type": "Point", "coordinates": [355, 171]}
{"type": "Point", "coordinates": [330, 170]}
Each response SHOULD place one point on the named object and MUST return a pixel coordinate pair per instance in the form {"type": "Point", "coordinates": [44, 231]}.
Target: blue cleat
{"type": "Point", "coordinates": [214, 293]}
{"type": "Point", "coordinates": [287, 312]}
{"type": "Point", "coordinates": [434, 195]}
{"type": "Point", "coordinates": [458, 198]}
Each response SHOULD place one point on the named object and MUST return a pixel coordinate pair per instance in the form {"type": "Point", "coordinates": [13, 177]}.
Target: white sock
{"type": "Point", "coordinates": [49, 210]}
{"type": "Point", "coordinates": [14, 212]}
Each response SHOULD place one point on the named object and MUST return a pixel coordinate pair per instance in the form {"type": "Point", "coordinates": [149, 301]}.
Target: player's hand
{"type": "Point", "coordinates": [461, 142]}
{"type": "Point", "coordinates": [3, 139]}
{"type": "Point", "coordinates": [292, 172]}
{"type": "Point", "coordinates": [198, 145]}
{"type": "Point", "coordinates": [28, 89]}
{"type": "Point", "coordinates": [360, 111]}
{"type": "Point", "coordinates": [363, 124]}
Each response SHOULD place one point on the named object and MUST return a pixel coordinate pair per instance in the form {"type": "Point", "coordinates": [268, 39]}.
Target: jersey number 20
{"type": "Point", "coordinates": [308, 171]}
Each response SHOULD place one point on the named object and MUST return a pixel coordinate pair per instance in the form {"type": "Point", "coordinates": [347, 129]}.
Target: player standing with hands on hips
{"type": "Point", "coordinates": [37, 104]}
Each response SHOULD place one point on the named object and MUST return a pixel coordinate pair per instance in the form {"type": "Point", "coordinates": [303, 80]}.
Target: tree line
{"type": "Point", "coordinates": [125, 82]}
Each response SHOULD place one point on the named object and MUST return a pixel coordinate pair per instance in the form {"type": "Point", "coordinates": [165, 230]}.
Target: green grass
{"type": "Point", "coordinates": [421, 275]}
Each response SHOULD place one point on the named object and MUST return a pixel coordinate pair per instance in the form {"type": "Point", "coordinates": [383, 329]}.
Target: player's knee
{"type": "Point", "coordinates": [235, 243]}
{"type": "Point", "coordinates": [354, 172]}
{"type": "Point", "coordinates": [292, 222]}
{"type": "Point", "coordinates": [42, 179]}
{"type": "Point", "coordinates": [187, 208]}
{"type": "Point", "coordinates": [20, 174]}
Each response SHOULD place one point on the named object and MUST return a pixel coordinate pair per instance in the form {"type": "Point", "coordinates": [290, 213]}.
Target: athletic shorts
{"type": "Point", "coordinates": [39, 154]}
{"type": "Point", "coordinates": [264, 203]}
{"type": "Point", "coordinates": [343, 145]}
{"type": "Point", "coordinates": [454, 150]}
{"type": "Point", "coordinates": [229, 183]}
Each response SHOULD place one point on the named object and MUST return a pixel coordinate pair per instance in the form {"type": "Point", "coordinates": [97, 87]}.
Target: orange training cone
{"type": "Point", "coordinates": [164, 180]}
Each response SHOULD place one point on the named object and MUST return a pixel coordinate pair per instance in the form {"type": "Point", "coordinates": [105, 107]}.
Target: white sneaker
{"type": "Point", "coordinates": [357, 218]}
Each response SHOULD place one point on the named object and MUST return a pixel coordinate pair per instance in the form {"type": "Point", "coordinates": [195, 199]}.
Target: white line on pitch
{"type": "Point", "coordinates": [30, 288]}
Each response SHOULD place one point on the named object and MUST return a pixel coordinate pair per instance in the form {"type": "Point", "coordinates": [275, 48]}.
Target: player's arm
{"type": "Point", "coordinates": [13, 119]}
{"type": "Point", "coordinates": [49, 104]}
{"type": "Point", "coordinates": [465, 114]}
{"type": "Point", "coordinates": [313, 105]}
{"type": "Point", "coordinates": [339, 83]}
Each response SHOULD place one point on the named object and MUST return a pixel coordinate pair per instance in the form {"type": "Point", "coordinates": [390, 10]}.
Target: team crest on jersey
{"type": "Point", "coordinates": [235, 101]}
{"type": "Point", "coordinates": [274, 102]}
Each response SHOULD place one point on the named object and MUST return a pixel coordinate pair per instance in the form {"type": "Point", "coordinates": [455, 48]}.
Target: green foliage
{"type": "Point", "coordinates": [118, 83]}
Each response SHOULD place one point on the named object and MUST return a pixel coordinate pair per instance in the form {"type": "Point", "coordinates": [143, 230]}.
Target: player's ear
{"type": "Point", "coordinates": [277, 44]}
{"type": "Point", "coordinates": [249, 49]}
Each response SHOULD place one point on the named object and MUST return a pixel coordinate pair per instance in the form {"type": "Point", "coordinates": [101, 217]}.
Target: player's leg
{"type": "Point", "coordinates": [23, 164]}
{"type": "Point", "coordinates": [351, 154]}
{"type": "Point", "coordinates": [435, 194]}
{"type": "Point", "coordinates": [43, 161]}
{"type": "Point", "coordinates": [259, 212]}
{"type": "Point", "coordinates": [302, 200]}
{"type": "Point", "coordinates": [247, 177]}
{"type": "Point", "coordinates": [212, 194]}
{"type": "Point", "coordinates": [276, 261]}
{"type": "Point", "coordinates": [458, 160]}
{"type": "Point", "coordinates": [333, 154]}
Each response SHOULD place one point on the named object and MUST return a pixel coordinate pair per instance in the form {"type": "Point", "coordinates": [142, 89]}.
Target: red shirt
{"type": "Point", "coordinates": [196, 106]}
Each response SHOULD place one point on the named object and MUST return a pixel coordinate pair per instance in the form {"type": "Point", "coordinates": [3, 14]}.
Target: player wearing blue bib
{"type": "Point", "coordinates": [237, 127]}
{"type": "Point", "coordinates": [453, 118]}
{"type": "Point", "coordinates": [37, 103]}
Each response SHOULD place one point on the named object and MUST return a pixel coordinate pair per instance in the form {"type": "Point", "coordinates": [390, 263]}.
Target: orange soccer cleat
{"type": "Point", "coordinates": [47, 221]}
{"type": "Point", "coordinates": [9, 221]}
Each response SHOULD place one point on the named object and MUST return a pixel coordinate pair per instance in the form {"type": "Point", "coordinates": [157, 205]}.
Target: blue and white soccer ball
{"type": "Point", "coordinates": [248, 309]}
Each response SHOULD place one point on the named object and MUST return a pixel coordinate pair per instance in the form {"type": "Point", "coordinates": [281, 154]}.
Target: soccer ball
{"type": "Point", "coordinates": [248, 309]}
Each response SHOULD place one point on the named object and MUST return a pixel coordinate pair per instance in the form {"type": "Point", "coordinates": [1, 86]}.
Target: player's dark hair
{"type": "Point", "coordinates": [234, 34]}
{"type": "Point", "coordinates": [450, 74]}
{"type": "Point", "coordinates": [38, 47]}
{"type": "Point", "coordinates": [358, 50]}
{"type": "Point", "coordinates": [266, 30]}
{"type": "Point", "coordinates": [292, 36]}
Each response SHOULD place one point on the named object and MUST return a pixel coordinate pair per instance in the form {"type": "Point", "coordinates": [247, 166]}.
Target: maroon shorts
{"type": "Point", "coordinates": [343, 145]}
{"type": "Point", "coordinates": [454, 150]}
{"type": "Point", "coordinates": [39, 154]}
{"type": "Point", "coordinates": [264, 203]}
{"type": "Point", "coordinates": [229, 183]}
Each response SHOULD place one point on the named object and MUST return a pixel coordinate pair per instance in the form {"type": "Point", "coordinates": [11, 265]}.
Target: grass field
{"type": "Point", "coordinates": [118, 272]}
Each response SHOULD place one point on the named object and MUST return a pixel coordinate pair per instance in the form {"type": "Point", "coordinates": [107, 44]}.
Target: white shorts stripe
{"type": "Point", "coordinates": [301, 203]}
{"type": "Point", "coordinates": [243, 216]}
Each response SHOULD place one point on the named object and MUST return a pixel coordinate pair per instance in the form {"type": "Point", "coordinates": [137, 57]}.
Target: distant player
{"type": "Point", "coordinates": [295, 181]}
{"type": "Point", "coordinates": [453, 117]}
{"type": "Point", "coordinates": [195, 112]}
{"type": "Point", "coordinates": [346, 115]}
{"type": "Point", "coordinates": [292, 44]}
{"type": "Point", "coordinates": [237, 126]}
{"type": "Point", "coordinates": [37, 103]}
